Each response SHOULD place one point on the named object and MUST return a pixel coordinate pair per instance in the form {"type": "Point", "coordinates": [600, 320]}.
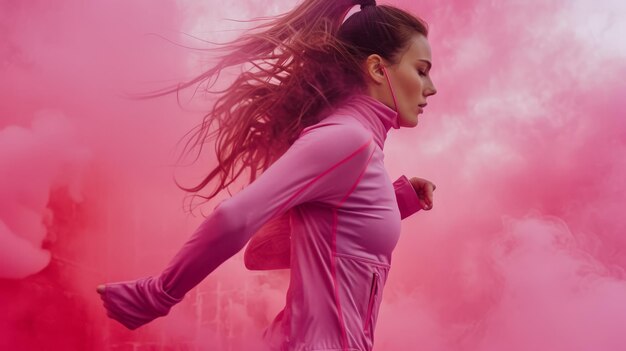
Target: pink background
{"type": "Point", "coordinates": [526, 142]}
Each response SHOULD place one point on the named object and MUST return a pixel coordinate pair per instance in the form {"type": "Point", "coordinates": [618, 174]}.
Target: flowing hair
{"type": "Point", "coordinates": [302, 63]}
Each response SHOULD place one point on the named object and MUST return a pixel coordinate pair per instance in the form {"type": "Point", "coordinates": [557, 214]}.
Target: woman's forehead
{"type": "Point", "coordinates": [419, 50]}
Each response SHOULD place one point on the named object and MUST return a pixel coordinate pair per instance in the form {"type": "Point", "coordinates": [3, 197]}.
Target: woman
{"type": "Point", "coordinates": [326, 205]}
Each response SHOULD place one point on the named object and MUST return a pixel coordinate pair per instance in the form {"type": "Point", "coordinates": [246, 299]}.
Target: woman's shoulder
{"type": "Point", "coordinates": [338, 126]}
{"type": "Point", "coordinates": [332, 141]}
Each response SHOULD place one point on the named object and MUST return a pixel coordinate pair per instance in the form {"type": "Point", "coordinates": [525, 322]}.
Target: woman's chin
{"type": "Point", "coordinates": [413, 122]}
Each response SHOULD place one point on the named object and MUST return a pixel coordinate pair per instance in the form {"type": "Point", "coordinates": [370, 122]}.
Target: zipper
{"type": "Point", "coordinates": [370, 305]}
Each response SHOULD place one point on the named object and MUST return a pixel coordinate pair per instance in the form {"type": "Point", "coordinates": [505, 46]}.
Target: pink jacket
{"type": "Point", "coordinates": [345, 218]}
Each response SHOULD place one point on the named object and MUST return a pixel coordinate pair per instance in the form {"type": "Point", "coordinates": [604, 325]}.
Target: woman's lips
{"type": "Point", "coordinates": [420, 108]}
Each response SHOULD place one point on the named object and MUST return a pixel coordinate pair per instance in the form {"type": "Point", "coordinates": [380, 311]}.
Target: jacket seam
{"type": "Point", "coordinates": [333, 263]}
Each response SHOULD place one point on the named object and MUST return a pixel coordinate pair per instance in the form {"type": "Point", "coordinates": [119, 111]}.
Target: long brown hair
{"type": "Point", "coordinates": [303, 62]}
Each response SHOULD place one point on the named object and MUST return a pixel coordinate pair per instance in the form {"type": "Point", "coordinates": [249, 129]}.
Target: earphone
{"type": "Point", "coordinates": [395, 103]}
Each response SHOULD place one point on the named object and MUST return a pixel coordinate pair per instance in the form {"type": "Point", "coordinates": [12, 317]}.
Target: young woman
{"type": "Point", "coordinates": [315, 118]}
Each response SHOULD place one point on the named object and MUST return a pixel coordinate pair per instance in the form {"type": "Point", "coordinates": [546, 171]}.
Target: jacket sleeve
{"type": "Point", "coordinates": [322, 165]}
{"type": "Point", "coordinates": [270, 247]}
{"type": "Point", "coordinates": [408, 201]}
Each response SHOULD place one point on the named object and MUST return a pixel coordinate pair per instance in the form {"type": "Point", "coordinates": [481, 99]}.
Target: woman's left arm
{"type": "Point", "coordinates": [413, 195]}
{"type": "Point", "coordinates": [270, 247]}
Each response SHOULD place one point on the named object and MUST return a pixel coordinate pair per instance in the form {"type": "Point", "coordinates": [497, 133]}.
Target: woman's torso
{"type": "Point", "coordinates": [340, 259]}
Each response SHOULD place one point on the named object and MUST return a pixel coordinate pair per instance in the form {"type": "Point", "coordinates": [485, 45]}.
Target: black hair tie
{"type": "Point", "coordinates": [365, 3]}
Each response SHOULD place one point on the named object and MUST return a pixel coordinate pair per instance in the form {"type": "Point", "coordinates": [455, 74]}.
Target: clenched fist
{"type": "Point", "coordinates": [424, 189]}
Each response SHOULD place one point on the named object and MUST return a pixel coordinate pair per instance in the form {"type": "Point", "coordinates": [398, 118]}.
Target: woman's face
{"type": "Point", "coordinates": [411, 82]}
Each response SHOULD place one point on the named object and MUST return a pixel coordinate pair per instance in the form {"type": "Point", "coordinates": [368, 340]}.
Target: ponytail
{"type": "Point", "coordinates": [303, 63]}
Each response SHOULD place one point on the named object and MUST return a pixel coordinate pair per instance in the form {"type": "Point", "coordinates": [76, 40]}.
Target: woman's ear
{"type": "Point", "coordinates": [374, 69]}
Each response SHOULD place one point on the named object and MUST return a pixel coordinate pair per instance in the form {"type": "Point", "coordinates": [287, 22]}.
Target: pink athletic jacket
{"type": "Point", "coordinates": [345, 218]}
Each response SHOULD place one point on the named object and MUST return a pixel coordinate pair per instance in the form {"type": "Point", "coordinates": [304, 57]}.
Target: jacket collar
{"type": "Point", "coordinates": [373, 114]}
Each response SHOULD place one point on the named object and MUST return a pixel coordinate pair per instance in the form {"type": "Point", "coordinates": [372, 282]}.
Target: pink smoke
{"type": "Point", "coordinates": [525, 141]}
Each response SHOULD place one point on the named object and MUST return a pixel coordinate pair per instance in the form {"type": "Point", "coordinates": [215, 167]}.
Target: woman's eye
{"type": "Point", "coordinates": [422, 73]}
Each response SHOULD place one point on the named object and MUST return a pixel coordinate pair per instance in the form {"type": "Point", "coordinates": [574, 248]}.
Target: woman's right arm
{"type": "Point", "coordinates": [322, 165]}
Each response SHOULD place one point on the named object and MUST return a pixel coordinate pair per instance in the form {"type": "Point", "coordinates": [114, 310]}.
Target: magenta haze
{"type": "Point", "coordinates": [528, 127]}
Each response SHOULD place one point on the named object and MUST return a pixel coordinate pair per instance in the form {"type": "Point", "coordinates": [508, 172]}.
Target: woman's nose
{"type": "Point", "coordinates": [431, 90]}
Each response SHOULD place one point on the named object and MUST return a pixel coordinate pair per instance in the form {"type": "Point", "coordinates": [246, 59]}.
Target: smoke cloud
{"type": "Point", "coordinates": [525, 140]}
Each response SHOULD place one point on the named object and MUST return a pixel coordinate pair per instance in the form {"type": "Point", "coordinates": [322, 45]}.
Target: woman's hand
{"type": "Point", "coordinates": [424, 189]}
